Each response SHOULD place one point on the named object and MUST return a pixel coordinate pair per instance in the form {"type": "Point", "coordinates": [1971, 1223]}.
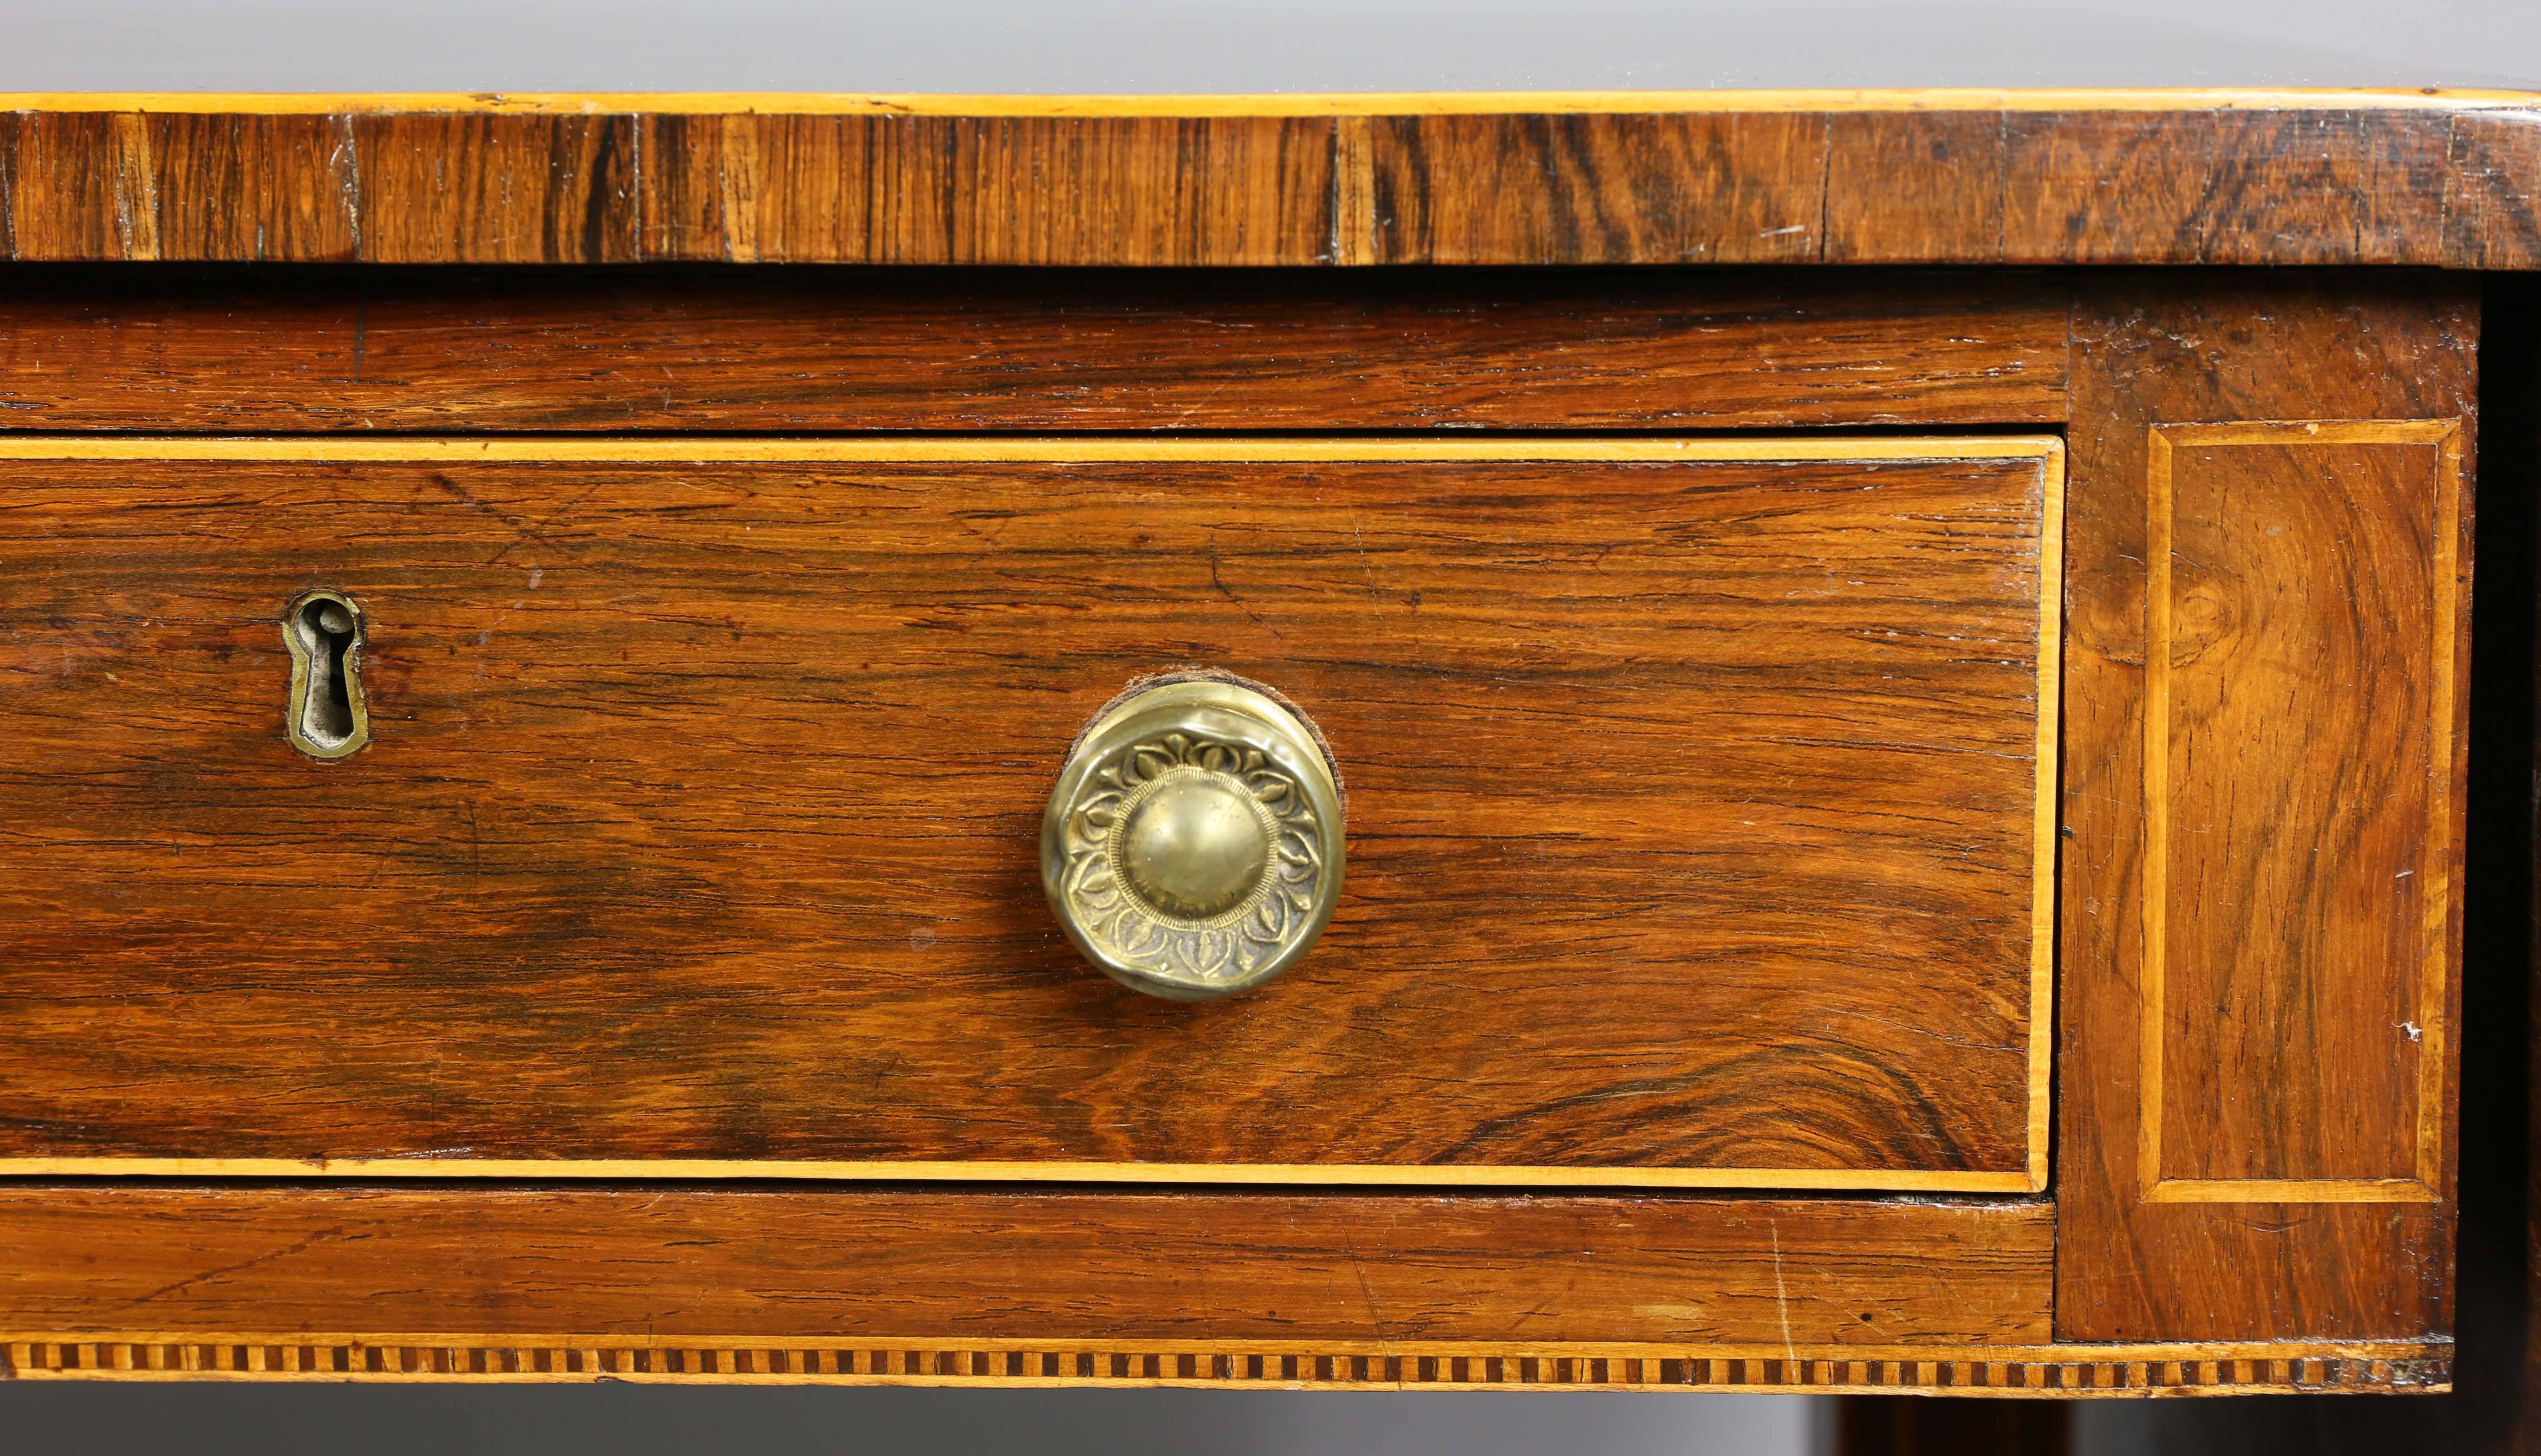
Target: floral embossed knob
{"type": "Point", "coordinates": [1193, 847]}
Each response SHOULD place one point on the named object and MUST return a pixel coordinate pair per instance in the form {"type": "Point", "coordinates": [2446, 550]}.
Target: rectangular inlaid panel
{"type": "Point", "coordinates": [2298, 872]}
{"type": "Point", "coordinates": [2267, 635]}
{"type": "Point", "coordinates": [1693, 799]}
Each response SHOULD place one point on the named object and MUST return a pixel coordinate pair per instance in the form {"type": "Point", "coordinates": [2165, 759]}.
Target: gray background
{"type": "Point", "coordinates": [1244, 46]}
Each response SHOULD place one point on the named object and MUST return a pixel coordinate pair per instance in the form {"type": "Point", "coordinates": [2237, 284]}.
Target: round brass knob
{"type": "Point", "coordinates": [1193, 847]}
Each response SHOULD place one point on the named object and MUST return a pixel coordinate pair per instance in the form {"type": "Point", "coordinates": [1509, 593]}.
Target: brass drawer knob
{"type": "Point", "coordinates": [1193, 847]}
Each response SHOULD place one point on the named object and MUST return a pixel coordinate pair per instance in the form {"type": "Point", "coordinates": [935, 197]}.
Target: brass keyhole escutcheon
{"type": "Point", "coordinates": [1193, 847]}
{"type": "Point", "coordinates": [326, 716]}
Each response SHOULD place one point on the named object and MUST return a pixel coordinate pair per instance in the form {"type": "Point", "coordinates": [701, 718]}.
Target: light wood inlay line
{"type": "Point", "coordinates": [965, 450]}
{"type": "Point", "coordinates": [986, 1170]}
{"type": "Point", "coordinates": [2436, 868]}
{"type": "Point", "coordinates": [2043, 828]}
{"type": "Point", "coordinates": [1304, 104]}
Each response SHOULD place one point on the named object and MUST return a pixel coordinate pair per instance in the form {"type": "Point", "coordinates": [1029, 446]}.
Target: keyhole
{"type": "Point", "coordinates": [326, 717]}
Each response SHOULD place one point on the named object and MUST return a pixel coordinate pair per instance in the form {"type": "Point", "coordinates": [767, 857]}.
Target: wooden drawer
{"type": "Point", "coordinates": [1699, 803]}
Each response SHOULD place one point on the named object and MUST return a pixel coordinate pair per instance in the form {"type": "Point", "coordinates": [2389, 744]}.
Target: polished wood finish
{"type": "Point", "coordinates": [475, 188]}
{"type": "Point", "coordinates": [232, 186]}
{"type": "Point", "coordinates": [1741, 188]}
{"type": "Point", "coordinates": [1993, 178]}
{"type": "Point", "coordinates": [2278, 186]}
{"type": "Point", "coordinates": [1872, 210]}
{"type": "Point", "coordinates": [2301, 187]}
{"type": "Point", "coordinates": [1006, 189]}
{"type": "Point", "coordinates": [435, 186]}
{"type": "Point", "coordinates": [2261, 821]}
{"type": "Point", "coordinates": [664, 994]}
{"type": "Point", "coordinates": [696, 827]}
{"type": "Point", "coordinates": [2299, 728]}
{"type": "Point", "coordinates": [2493, 206]}
{"type": "Point", "coordinates": [421, 349]}
{"type": "Point", "coordinates": [983, 1286]}
{"type": "Point", "coordinates": [2316, 185]}
{"type": "Point", "coordinates": [672, 1263]}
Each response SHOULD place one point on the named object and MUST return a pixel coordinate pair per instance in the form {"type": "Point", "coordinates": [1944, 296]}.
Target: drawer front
{"type": "Point", "coordinates": [1697, 797]}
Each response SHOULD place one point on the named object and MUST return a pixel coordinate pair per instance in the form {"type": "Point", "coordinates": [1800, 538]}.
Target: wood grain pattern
{"type": "Point", "coordinates": [501, 189]}
{"type": "Point", "coordinates": [2493, 198]}
{"type": "Point", "coordinates": [2303, 623]}
{"type": "Point", "coordinates": [76, 191]}
{"type": "Point", "coordinates": [415, 350]}
{"type": "Point", "coordinates": [2223, 187]}
{"type": "Point", "coordinates": [669, 1262]}
{"type": "Point", "coordinates": [2016, 187]}
{"type": "Point", "coordinates": [1923, 185]}
{"type": "Point", "coordinates": [2282, 999]}
{"type": "Point", "coordinates": [1012, 190]}
{"type": "Point", "coordinates": [1691, 188]}
{"type": "Point", "coordinates": [2329, 178]}
{"type": "Point", "coordinates": [259, 188]}
{"type": "Point", "coordinates": [709, 858]}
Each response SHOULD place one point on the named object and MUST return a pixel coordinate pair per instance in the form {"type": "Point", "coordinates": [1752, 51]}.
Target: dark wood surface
{"type": "Point", "coordinates": [2118, 187]}
{"type": "Point", "coordinates": [2494, 210]}
{"type": "Point", "coordinates": [2492, 1410]}
{"type": "Point", "coordinates": [2289, 1075]}
{"type": "Point", "coordinates": [956, 189]}
{"type": "Point", "coordinates": [987, 1287]}
{"type": "Point", "coordinates": [2287, 179]}
{"type": "Point", "coordinates": [1540, 190]}
{"type": "Point", "coordinates": [426, 350]}
{"type": "Point", "coordinates": [700, 812]}
{"type": "Point", "coordinates": [2256, 187]}
{"type": "Point", "coordinates": [816, 1264]}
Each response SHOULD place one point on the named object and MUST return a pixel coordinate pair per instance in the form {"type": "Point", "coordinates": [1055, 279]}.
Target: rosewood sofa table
{"type": "Point", "coordinates": [1723, 740]}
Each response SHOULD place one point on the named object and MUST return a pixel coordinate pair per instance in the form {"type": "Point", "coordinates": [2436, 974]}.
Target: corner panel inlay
{"type": "Point", "coordinates": [2265, 737]}
{"type": "Point", "coordinates": [2297, 881]}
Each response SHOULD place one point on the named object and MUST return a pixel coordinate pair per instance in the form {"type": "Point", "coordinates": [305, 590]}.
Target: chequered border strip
{"type": "Point", "coordinates": [1222, 1367]}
